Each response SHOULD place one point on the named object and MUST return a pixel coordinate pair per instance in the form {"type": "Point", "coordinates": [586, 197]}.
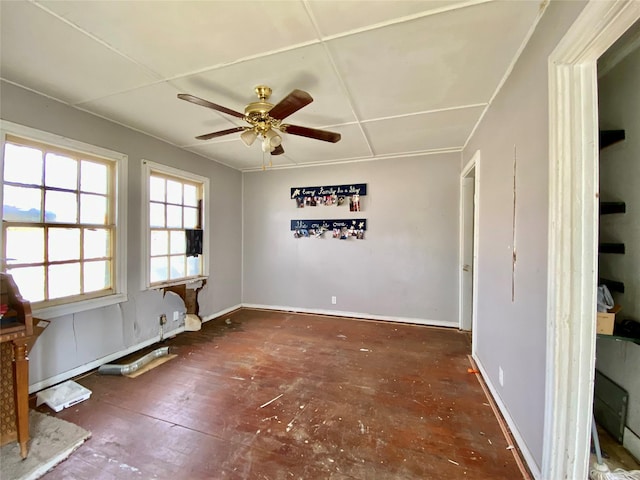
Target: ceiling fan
{"type": "Point", "coordinates": [265, 120]}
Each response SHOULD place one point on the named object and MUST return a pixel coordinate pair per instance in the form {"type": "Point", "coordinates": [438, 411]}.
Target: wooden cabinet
{"type": "Point", "coordinates": [16, 326]}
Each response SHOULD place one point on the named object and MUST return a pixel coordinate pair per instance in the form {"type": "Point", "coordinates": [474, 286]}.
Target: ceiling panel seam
{"type": "Point", "coordinates": [97, 39]}
{"type": "Point", "coordinates": [340, 79]}
{"type": "Point", "coordinates": [399, 20]}
{"type": "Point", "coordinates": [543, 7]}
{"type": "Point", "coordinates": [425, 112]}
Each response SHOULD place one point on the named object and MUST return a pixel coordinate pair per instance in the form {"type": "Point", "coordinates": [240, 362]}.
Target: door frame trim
{"type": "Point", "coordinates": [471, 164]}
{"type": "Point", "coordinates": [573, 220]}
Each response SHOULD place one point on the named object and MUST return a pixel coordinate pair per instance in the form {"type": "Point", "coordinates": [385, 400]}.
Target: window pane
{"type": "Point", "coordinates": [64, 280]}
{"type": "Point", "coordinates": [159, 269]}
{"type": "Point", "coordinates": [93, 177]}
{"type": "Point", "coordinates": [156, 189]}
{"type": "Point", "coordinates": [97, 276]}
{"type": "Point", "coordinates": [174, 192]}
{"type": "Point", "coordinates": [21, 204]}
{"type": "Point", "coordinates": [64, 244]}
{"type": "Point", "coordinates": [174, 216]}
{"type": "Point", "coordinates": [178, 243]}
{"type": "Point", "coordinates": [22, 164]}
{"type": "Point", "coordinates": [177, 266]}
{"type": "Point", "coordinates": [190, 195]}
{"type": "Point", "coordinates": [159, 242]}
{"type": "Point", "coordinates": [25, 245]}
{"type": "Point", "coordinates": [60, 171]}
{"type": "Point", "coordinates": [60, 207]}
{"type": "Point", "coordinates": [30, 281]}
{"type": "Point", "coordinates": [93, 209]}
{"type": "Point", "coordinates": [156, 215]}
{"type": "Point", "coordinates": [96, 243]}
{"type": "Point", "coordinates": [193, 266]}
{"type": "Point", "coordinates": [190, 217]}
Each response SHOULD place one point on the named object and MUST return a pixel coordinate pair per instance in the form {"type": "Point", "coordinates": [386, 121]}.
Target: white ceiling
{"type": "Point", "coordinates": [395, 78]}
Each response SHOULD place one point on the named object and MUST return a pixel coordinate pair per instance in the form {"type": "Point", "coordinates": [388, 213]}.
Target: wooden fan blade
{"type": "Point", "coordinates": [323, 135]}
{"type": "Point", "coordinates": [278, 150]}
{"type": "Point", "coordinates": [290, 104]}
{"type": "Point", "coordinates": [220, 133]}
{"type": "Point", "coordinates": [208, 104]}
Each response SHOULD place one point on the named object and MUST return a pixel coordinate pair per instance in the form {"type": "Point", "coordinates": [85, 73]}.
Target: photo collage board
{"type": "Point", "coordinates": [330, 196]}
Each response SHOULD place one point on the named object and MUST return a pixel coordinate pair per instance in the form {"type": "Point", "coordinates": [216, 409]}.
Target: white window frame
{"type": "Point", "coordinates": [148, 167]}
{"type": "Point", "coordinates": [120, 238]}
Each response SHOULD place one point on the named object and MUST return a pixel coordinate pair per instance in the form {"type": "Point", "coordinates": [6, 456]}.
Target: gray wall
{"type": "Point", "coordinates": [511, 332]}
{"type": "Point", "coordinates": [619, 108]}
{"type": "Point", "coordinates": [405, 268]}
{"type": "Point", "coordinates": [76, 340]}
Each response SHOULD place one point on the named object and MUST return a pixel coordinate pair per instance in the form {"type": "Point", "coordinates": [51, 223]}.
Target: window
{"type": "Point", "coordinates": [175, 232]}
{"type": "Point", "coordinates": [62, 231]}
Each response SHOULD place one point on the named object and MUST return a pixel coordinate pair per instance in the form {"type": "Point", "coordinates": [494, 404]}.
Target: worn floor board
{"type": "Point", "coordinates": [353, 400]}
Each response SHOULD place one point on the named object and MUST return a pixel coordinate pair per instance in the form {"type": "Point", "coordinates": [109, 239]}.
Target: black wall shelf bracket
{"type": "Point", "coordinates": [611, 248]}
{"type": "Point", "coordinates": [609, 137]}
{"type": "Point", "coordinates": [607, 208]}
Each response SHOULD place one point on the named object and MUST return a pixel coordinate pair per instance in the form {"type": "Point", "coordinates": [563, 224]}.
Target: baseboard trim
{"type": "Point", "coordinates": [366, 316]}
{"type": "Point", "coordinates": [221, 313]}
{"type": "Point", "coordinates": [528, 457]}
{"type": "Point", "coordinates": [61, 377]}
{"type": "Point", "coordinates": [631, 442]}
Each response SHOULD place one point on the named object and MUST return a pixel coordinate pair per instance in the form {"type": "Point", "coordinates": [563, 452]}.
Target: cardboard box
{"type": "Point", "coordinates": [606, 321]}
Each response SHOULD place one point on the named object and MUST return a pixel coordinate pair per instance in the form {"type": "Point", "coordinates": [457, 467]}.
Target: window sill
{"type": "Point", "coordinates": [187, 282]}
{"type": "Point", "coordinates": [48, 313]}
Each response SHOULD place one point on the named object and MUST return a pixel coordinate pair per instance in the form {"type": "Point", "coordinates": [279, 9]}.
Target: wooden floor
{"type": "Point", "coordinates": [287, 396]}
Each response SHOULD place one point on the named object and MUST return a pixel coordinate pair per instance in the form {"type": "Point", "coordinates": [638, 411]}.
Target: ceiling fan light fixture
{"type": "Point", "coordinates": [273, 138]}
{"type": "Point", "coordinates": [248, 137]}
{"type": "Point", "coordinates": [266, 146]}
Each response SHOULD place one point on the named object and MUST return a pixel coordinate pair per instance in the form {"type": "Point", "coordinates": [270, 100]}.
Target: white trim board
{"type": "Point", "coordinates": [365, 316]}
{"type": "Point", "coordinates": [473, 164]}
{"type": "Point", "coordinates": [522, 445]}
{"type": "Point", "coordinates": [573, 210]}
{"type": "Point", "coordinates": [221, 312]}
{"type": "Point", "coordinates": [61, 377]}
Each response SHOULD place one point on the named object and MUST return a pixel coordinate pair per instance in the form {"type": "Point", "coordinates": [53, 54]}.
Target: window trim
{"type": "Point", "coordinates": [120, 161]}
{"type": "Point", "coordinates": [148, 167]}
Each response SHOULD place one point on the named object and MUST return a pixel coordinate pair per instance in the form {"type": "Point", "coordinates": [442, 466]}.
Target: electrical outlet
{"type": "Point", "coordinates": [333, 300]}
{"type": "Point", "coordinates": [176, 316]}
{"type": "Point", "coordinates": [501, 376]}
{"type": "Point", "coordinates": [163, 319]}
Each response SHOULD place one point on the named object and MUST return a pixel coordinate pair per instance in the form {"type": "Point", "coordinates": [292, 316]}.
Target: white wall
{"type": "Point", "coordinates": [74, 341]}
{"type": "Point", "coordinates": [511, 326]}
{"type": "Point", "coordinates": [407, 266]}
{"type": "Point", "coordinates": [619, 108]}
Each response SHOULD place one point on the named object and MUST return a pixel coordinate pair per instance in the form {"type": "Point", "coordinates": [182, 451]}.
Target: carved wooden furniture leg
{"type": "Point", "coordinates": [21, 392]}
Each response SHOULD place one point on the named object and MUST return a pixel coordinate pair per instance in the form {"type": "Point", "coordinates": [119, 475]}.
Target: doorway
{"type": "Point", "coordinates": [468, 243]}
{"type": "Point", "coordinates": [573, 209]}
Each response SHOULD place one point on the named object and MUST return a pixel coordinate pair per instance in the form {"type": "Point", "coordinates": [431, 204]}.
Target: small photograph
{"type": "Point", "coordinates": [328, 200]}
{"type": "Point", "coordinates": [340, 201]}
{"type": "Point", "coordinates": [297, 234]}
{"type": "Point", "coordinates": [320, 232]}
{"type": "Point", "coordinates": [344, 233]}
{"type": "Point", "coordinates": [354, 203]}
{"type": "Point", "coordinates": [336, 233]}
{"type": "Point", "coordinates": [312, 201]}
{"type": "Point", "coordinates": [360, 235]}
{"type": "Point", "coordinates": [312, 233]}
{"type": "Point", "coordinates": [320, 201]}
{"type": "Point", "coordinates": [304, 232]}
{"type": "Point", "coordinates": [300, 202]}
